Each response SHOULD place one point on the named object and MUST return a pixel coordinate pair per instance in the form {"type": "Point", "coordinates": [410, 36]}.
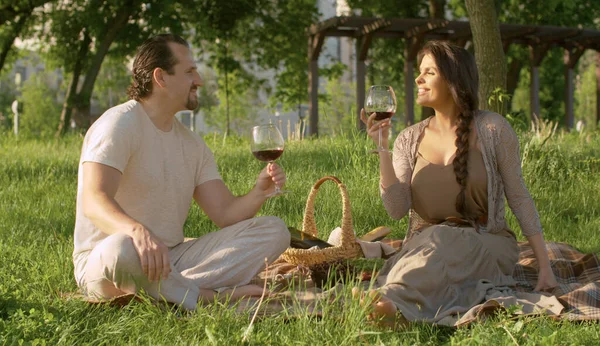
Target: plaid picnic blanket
{"type": "Point", "coordinates": [578, 277]}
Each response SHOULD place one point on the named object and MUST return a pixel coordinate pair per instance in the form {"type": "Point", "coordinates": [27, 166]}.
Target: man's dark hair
{"type": "Point", "coordinates": [153, 53]}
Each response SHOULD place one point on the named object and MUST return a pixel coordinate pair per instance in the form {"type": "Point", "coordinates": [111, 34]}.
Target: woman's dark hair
{"type": "Point", "coordinates": [458, 68]}
{"type": "Point", "coordinates": [154, 52]}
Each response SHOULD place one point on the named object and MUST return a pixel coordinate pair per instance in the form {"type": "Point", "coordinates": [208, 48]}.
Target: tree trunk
{"type": "Point", "coordinates": [71, 96]}
{"type": "Point", "coordinates": [82, 108]}
{"type": "Point", "coordinates": [13, 33]}
{"type": "Point", "coordinates": [597, 89]}
{"type": "Point", "coordinates": [512, 79]}
{"type": "Point", "coordinates": [227, 89]}
{"type": "Point", "coordinates": [488, 50]}
{"type": "Point", "coordinates": [436, 9]}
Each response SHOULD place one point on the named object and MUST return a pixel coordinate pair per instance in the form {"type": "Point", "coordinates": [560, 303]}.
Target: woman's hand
{"type": "Point", "coordinates": [546, 280]}
{"type": "Point", "coordinates": [373, 128]}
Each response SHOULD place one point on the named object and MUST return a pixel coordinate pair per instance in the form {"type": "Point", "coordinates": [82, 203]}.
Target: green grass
{"type": "Point", "coordinates": [37, 211]}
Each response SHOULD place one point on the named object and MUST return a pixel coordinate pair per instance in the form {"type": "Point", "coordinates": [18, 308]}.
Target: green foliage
{"type": "Point", "coordinates": [390, 8]}
{"type": "Point", "coordinates": [498, 100]}
{"type": "Point", "coordinates": [231, 102]}
{"type": "Point", "coordinates": [261, 34]}
{"type": "Point", "coordinates": [552, 86]}
{"type": "Point", "coordinates": [6, 33]}
{"type": "Point", "coordinates": [8, 94]}
{"type": "Point", "coordinates": [386, 57]}
{"type": "Point", "coordinates": [244, 105]}
{"type": "Point", "coordinates": [41, 111]}
{"type": "Point", "coordinates": [18, 18]}
{"type": "Point", "coordinates": [111, 87]}
{"type": "Point", "coordinates": [551, 92]}
{"type": "Point", "coordinates": [585, 90]}
{"type": "Point", "coordinates": [518, 120]}
{"type": "Point", "coordinates": [338, 112]}
{"type": "Point", "coordinates": [281, 45]}
{"type": "Point", "coordinates": [61, 42]}
{"type": "Point", "coordinates": [575, 14]}
{"type": "Point", "coordinates": [208, 98]}
{"type": "Point", "coordinates": [572, 13]}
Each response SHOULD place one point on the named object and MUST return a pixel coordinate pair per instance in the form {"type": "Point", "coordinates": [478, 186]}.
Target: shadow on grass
{"type": "Point", "coordinates": [9, 305]}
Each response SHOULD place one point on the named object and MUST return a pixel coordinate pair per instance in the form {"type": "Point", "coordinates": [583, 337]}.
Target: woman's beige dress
{"type": "Point", "coordinates": [447, 268]}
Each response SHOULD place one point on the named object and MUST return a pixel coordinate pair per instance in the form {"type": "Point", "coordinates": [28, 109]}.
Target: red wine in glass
{"type": "Point", "coordinates": [379, 116]}
{"type": "Point", "coordinates": [268, 155]}
{"type": "Point", "coordinates": [267, 146]}
{"type": "Point", "coordinates": [380, 100]}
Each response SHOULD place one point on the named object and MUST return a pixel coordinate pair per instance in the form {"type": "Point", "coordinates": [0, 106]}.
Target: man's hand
{"type": "Point", "coordinates": [269, 177]}
{"type": "Point", "coordinates": [100, 184]}
{"type": "Point", "coordinates": [154, 255]}
{"type": "Point", "coordinates": [225, 209]}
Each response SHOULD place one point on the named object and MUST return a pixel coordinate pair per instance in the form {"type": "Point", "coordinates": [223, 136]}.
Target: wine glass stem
{"type": "Point", "coordinates": [380, 131]}
{"type": "Point", "coordinates": [277, 189]}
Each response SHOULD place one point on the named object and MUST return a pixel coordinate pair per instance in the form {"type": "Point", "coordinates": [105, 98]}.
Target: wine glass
{"type": "Point", "coordinates": [380, 100]}
{"type": "Point", "coordinates": [267, 146]}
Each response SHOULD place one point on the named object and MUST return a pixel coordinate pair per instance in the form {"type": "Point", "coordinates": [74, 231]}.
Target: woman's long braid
{"type": "Point", "coordinates": [460, 163]}
{"type": "Point", "coordinates": [459, 69]}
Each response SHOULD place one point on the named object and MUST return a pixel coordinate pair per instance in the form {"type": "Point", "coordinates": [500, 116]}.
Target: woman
{"type": "Point", "coordinates": [451, 173]}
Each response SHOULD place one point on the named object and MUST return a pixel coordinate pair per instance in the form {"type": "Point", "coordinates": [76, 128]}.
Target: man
{"type": "Point", "coordinates": [138, 172]}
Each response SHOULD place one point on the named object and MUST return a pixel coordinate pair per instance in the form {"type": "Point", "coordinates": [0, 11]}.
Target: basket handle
{"type": "Point", "coordinates": [309, 225]}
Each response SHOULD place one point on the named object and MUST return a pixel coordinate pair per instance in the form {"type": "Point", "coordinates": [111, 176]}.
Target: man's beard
{"type": "Point", "coordinates": [192, 103]}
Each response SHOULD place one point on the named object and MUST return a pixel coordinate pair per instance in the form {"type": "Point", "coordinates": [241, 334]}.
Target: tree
{"type": "Point", "coordinates": [266, 35]}
{"type": "Point", "coordinates": [489, 53]}
{"type": "Point", "coordinates": [218, 28]}
{"type": "Point", "coordinates": [283, 47]}
{"type": "Point", "coordinates": [8, 94]}
{"type": "Point", "coordinates": [112, 83]}
{"type": "Point", "coordinates": [436, 11]}
{"type": "Point", "coordinates": [122, 25]}
{"type": "Point", "coordinates": [15, 8]}
{"type": "Point", "coordinates": [96, 34]}
{"type": "Point", "coordinates": [9, 34]}
{"type": "Point", "coordinates": [241, 110]}
{"type": "Point", "coordinates": [385, 58]}
{"type": "Point", "coordinates": [585, 97]}
{"type": "Point", "coordinates": [82, 33]}
{"type": "Point", "coordinates": [572, 13]}
{"type": "Point", "coordinates": [41, 109]}
{"type": "Point", "coordinates": [15, 18]}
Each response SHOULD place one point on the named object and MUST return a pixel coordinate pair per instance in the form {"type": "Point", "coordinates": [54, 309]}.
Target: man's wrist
{"type": "Point", "coordinates": [258, 193]}
{"type": "Point", "coordinates": [134, 229]}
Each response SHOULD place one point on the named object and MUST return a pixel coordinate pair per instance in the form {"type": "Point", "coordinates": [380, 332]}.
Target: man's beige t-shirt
{"type": "Point", "coordinates": [160, 171]}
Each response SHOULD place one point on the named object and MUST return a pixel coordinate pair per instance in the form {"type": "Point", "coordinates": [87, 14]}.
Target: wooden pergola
{"type": "Point", "coordinates": [415, 32]}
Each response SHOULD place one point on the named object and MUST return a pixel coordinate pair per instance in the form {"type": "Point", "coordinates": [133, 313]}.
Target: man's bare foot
{"type": "Point", "coordinates": [384, 311]}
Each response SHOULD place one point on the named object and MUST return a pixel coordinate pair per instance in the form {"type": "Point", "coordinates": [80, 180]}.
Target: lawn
{"type": "Point", "coordinates": [37, 215]}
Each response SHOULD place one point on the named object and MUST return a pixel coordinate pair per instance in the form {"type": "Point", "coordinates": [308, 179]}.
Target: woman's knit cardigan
{"type": "Point", "coordinates": [500, 150]}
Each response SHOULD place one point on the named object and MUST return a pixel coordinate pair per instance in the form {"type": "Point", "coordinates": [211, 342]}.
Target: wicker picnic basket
{"type": "Point", "coordinates": [348, 247]}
